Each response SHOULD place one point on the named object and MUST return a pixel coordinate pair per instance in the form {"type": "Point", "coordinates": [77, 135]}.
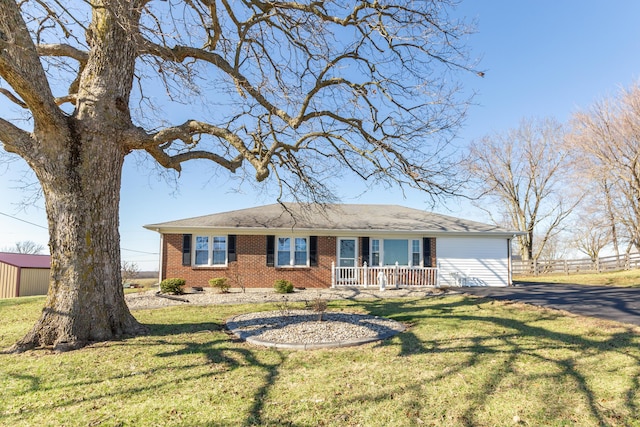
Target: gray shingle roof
{"type": "Point", "coordinates": [333, 218]}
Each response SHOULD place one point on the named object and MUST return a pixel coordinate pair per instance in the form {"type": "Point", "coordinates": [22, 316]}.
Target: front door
{"type": "Point", "coordinates": [347, 252]}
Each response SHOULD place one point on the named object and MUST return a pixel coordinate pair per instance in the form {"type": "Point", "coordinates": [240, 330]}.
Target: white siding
{"type": "Point", "coordinates": [478, 261]}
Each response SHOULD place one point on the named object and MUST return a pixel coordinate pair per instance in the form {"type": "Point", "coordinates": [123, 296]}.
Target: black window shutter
{"type": "Point", "coordinates": [364, 250]}
{"type": "Point", "coordinates": [231, 248]}
{"type": "Point", "coordinates": [426, 252]}
{"type": "Point", "coordinates": [313, 251]}
{"type": "Point", "coordinates": [271, 248]}
{"type": "Point", "coordinates": [186, 249]}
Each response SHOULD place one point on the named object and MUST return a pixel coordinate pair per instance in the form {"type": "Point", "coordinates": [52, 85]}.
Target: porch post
{"type": "Point", "coordinates": [333, 274]}
{"type": "Point", "coordinates": [366, 274]}
{"type": "Point", "coordinates": [395, 275]}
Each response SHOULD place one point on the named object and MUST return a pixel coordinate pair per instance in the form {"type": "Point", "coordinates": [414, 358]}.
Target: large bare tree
{"type": "Point", "coordinates": [294, 90]}
{"type": "Point", "coordinates": [607, 137]}
{"type": "Point", "coordinates": [522, 171]}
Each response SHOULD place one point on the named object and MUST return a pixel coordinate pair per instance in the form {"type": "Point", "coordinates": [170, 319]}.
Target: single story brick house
{"type": "Point", "coordinates": [23, 274]}
{"type": "Point", "coordinates": [336, 245]}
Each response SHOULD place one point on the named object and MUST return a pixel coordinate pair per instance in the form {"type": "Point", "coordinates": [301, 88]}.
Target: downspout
{"type": "Point", "coordinates": [161, 258]}
{"type": "Point", "coordinates": [509, 266]}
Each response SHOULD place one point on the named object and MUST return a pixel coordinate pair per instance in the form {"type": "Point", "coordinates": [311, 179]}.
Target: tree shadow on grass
{"type": "Point", "coordinates": [209, 339]}
{"type": "Point", "coordinates": [507, 338]}
{"type": "Point", "coordinates": [230, 353]}
{"type": "Point", "coordinates": [33, 381]}
{"type": "Point", "coordinates": [521, 338]}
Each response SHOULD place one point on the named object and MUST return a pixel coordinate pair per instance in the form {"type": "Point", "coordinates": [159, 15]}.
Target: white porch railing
{"type": "Point", "coordinates": [394, 276]}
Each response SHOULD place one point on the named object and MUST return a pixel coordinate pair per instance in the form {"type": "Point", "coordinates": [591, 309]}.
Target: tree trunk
{"type": "Point", "coordinates": [85, 302]}
{"type": "Point", "coordinates": [78, 160]}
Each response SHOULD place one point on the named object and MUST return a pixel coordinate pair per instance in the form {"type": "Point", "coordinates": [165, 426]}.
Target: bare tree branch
{"type": "Point", "coordinates": [13, 98]}
{"type": "Point", "coordinates": [20, 67]}
{"type": "Point", "coordinates": [62, 50]}
{"type": "Point", "coordinates": [14, 139]}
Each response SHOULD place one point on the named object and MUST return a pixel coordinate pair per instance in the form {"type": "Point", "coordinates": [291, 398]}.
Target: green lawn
{"type": "Point", "coordinates": [625, 278]}
{"type": "Point", "coordinates": [462, 362]}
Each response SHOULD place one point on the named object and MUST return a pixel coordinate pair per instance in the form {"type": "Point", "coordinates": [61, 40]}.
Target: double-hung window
{"type": "Point", "coordinates": [415, 253]}
{"type": "Point", "coordinates": [219, 252]}
{"type": "Point", "coordinates": [202, 250]}
{"type": "Point", "coordinates": [292, 251]}
{"type": "Point", "coordinates": [375, 252]}
{"type": "Point", "coordinates": [210, 251]}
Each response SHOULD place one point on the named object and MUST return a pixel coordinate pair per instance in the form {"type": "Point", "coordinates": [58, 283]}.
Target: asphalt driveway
{"type": "Point", "coordinates": [619, 304]}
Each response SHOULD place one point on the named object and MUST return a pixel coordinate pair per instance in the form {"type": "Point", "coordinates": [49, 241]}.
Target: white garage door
{"type": "Point", "coordinates": [473, 261]}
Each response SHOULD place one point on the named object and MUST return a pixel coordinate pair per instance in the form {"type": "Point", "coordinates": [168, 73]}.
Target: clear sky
{"type": "Point", "coordinates": [541, 58]}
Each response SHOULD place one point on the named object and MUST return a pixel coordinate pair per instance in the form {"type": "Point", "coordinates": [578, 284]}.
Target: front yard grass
{"type": "Point", "coordinates": [624, 278]}
{"type": "Point", "coordinates": [464, 361]}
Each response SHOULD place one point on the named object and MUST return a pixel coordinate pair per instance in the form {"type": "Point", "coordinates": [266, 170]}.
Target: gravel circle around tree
{"type": "Point", "coordinates": [303, 329]}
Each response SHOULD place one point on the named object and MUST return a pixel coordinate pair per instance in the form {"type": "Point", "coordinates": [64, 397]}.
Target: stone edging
{"type": "Point", "coordinates": [250, 328]}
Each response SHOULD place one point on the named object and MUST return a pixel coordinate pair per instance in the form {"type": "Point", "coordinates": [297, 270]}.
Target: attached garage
{"type": "Point", "coordinates": [474, 261]}
{"type": "Point", "coordinates": [23, 274]}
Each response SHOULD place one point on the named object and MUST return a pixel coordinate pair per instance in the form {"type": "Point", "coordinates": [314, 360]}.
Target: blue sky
{"type": "Point", "coordinates": [541, 58]}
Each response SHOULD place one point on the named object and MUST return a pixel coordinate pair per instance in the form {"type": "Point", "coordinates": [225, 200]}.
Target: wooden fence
{"type": "Point", "coordinates": [574, 266]}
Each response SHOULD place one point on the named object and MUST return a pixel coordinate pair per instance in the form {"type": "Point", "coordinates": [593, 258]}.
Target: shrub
{"type": "Point", "coordinates": [283, 306]}
{"type": "Point", "coordinates": [172, 286]}
{"type": "Point", "coordinates": [283, 286]}
{"type": "Point", "coordinates": [319, 305]}
{"type": "Point", "coordinates": [221, 284]}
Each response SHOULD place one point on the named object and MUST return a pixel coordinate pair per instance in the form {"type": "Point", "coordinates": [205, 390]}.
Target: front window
{"type": "Point", "coordinates": [375, 252]}
{"type": "Point", "coordinates": [211, 251]}
{"type": "Point", "coordinates": [415, 252]}
{"type": "Point", "coordinates": [293, 251]}
{"type": "Point", "coordinates": [396, 251]}
{"type": "Point", "coordinates": [219, 250]}
{"type": "Point", "coordinates": [202, 250]}
{"type": "Point", "coordinates": [300, 256]}
{"type": "Point", "coordinates": [392, 251]}
{"type": "Point", "coordinates": [284, 250]}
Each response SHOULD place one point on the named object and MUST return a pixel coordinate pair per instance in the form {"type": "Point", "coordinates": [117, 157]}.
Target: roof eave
{"type": "Point", "coordinates": [325, 231]}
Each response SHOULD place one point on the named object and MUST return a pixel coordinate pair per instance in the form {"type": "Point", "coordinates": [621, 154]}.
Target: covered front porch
{"type": "Point", "coordinates": [394, 276]}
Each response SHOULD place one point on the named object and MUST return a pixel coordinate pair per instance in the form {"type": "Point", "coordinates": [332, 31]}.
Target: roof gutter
{"type": "Point", "coordinates": [327, 232]}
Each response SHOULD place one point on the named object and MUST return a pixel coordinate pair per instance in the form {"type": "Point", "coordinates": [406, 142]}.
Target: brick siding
{"type": "Point", "coordinates": [251, 267]}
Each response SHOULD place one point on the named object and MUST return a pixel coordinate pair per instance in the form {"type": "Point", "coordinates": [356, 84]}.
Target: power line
{"type": "Point", "coordinates": [140, 252]}
{"type": "Point", "coordinates": [46, 228]}
{"type": "Point", "coordinates": [18, 219]}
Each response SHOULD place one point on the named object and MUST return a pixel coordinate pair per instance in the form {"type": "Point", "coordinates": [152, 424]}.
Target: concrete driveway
{"type": "Point", "coordinates": [619, 304]}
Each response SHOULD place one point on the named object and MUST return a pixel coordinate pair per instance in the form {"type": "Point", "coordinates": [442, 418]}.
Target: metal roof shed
{"type": "Point", "coordinates": [23, 274]}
